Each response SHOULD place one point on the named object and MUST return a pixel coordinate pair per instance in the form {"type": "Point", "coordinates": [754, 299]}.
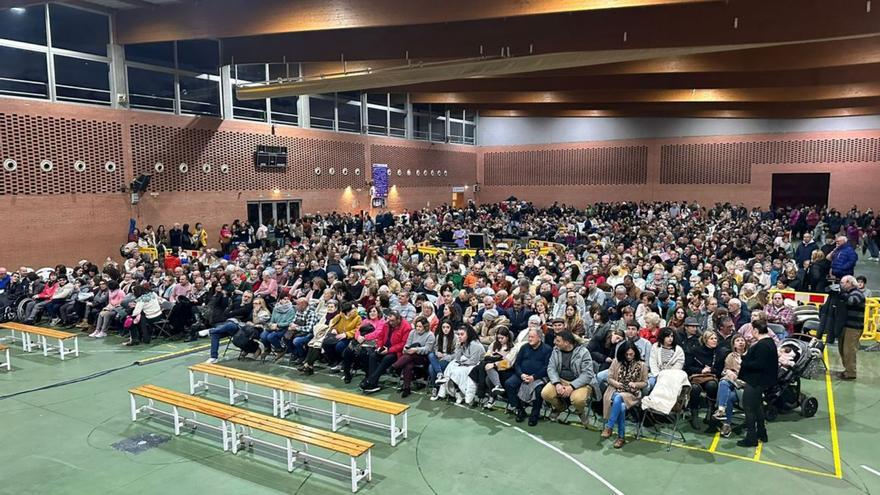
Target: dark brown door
{"type": "Point", "coordinates": [800, 189]}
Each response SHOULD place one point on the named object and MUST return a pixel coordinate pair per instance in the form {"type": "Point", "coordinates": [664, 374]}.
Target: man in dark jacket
{"type": "Point", "coordinates": [518, 315]}
{"type": "Point", "coordinates": [571, 376]}
{"type": "Point", "coordinates": [530, 371]}
{"type": "Point", "coordinates": [848, 345]}
{"type": "Point", "coordinates": [843, 258]}
{"type": "Point", "coordinates": [235, 316]}
{"type": "Point", "coordinates": [805, 251]}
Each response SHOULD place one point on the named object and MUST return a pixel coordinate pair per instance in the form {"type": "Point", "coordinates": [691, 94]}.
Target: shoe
{"type": "Point", "coordinates": [82, 324]}
{"type": "Point", "coordinates": [497, 390]}
{"type": "Point", "coordinates": [489, 404]}
{"type": "Point", "coordinates": [533, 421]}
{"type": "Point", "coordinates": [520, 415]}
{"type": "Point", "coordinates": [55, 322]}
{"type": "Point", "coordinates": [726, 430]}
{"type": "Point", "coordinates": [308, 370]}
{"type": "Point", "coordinates": [606, 433]}
{"type": "Point", "coordinates": [130, 343]}
{"type": "Point", "coordinates": [211, 361]}
{"type": "Point", "coordinates": [696, 422]}
{"type": "Point", "coordinates": [441, 379]}
{"type": "Point", "coordinates": [554, 416]}
{"type": "Point", "coordinates": [620, 442]}
{"type": "Point", "coordinates": [763, 437]}
{"type": "Point", "coordinates": [336, 369]}
{"type": "Point", "coordinates": [405, 393]}
{"type": "Point", "coordinates": [459, 399]}
{"type": "Point", "coordinates": [372, 389]}
{"type": "Point", "coordinates": [100, 335]}
{"type": "Point", "coordinates": [585, 419]}
{"type": "Point", "coordinates": [93, 334]}
{"type": "Point", "coordinates": [843, 376]}
{"type": "Point", "coordinates": [279, 355]}
{"type": "Point", "coordinates": [204, 333]}
{"type": "Point", "coordinates": [434, 393]}
{"type": "Point", "coordinates": [296, 361]}
{"type": "Point", "coordinates": [745, 442]}
{"type": "Point", "coordinates": [258, 353]}
{"type": "Point", "coordinates": [720, 414]}
{"type": "Point", "coordinates": [346, 378]}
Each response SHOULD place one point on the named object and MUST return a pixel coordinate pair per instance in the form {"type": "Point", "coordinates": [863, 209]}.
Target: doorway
{"type": "Point", "coordinates": [457, 199]}
{"type": "Point", "coordinates": [269, 212]}
{"type": "Point", "coordinates": [800, 189]}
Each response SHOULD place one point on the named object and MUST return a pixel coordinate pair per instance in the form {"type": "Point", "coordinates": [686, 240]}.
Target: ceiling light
{"type": "Point", "coordinates": [18, 10]}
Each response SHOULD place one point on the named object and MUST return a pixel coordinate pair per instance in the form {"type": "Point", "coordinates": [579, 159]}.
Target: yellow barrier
{"type": "Point", "coordinates": [153, 252]}
{"type": "Point", "coordinates": [872, 309]}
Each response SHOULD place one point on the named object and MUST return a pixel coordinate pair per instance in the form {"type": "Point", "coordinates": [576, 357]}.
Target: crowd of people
{"type": "Point", "coordinates": [628, 291]}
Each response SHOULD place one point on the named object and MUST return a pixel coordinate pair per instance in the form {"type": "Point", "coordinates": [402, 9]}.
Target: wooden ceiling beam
{"type": "Point", "coordinates": [765, 113]}
{"type": "Point", "coordinates": [229, 18]}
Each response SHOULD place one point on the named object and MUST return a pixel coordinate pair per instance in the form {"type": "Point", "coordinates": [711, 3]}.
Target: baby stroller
{"type": "Point", "coordinates": [786, 395]}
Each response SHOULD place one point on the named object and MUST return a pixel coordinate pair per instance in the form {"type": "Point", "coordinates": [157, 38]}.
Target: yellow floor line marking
{"type": "Point", "coordinates": [188, 350]}
{"type": "Point", "coordinates": [832, 417]}
{"type": "Point", "coordinates": [715, 442]}
{"type": "Point", "coordinates": [758, 450]}
{"type": "Point", "coordinates": [743, 458]}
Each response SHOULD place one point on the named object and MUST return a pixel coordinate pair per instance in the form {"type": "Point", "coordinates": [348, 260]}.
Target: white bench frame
{"type": "Point", "coordinates": [245, 437]}
{"type": "Point", "coordinates": [8, 363]}
{"type": "Point", "coordinates": [282, 405]}
{"type": "Point", "coordinates": [28, 343]}
{"type": "Point", "coordinates": [151, 409]}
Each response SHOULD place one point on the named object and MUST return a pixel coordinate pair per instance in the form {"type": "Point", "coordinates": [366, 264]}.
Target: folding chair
{"type": "Point", "coordinates": [160, 327]}
{"type": "Point", "coordinates": [674, 417]}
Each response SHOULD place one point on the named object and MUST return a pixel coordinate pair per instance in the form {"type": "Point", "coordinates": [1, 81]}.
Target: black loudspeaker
{"type": "Point", "coordinates": [478, 241]}
{"type": "Point", "coordinates": [140, 184]}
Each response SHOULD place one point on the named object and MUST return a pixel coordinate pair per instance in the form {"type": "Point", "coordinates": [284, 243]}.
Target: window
{"type": "Point", "coordinates": [82, 80]}
{"type": "Point", "coordinates": [202, 56]}
{"type": "Point", "coordinates": [348, 110]}
{"type": "Point", "coordinates": [248, 109]}
{"type": "Point", "coordinates": [421, 121]}
{"type": "Point", "coordinates": [456, 131]}
{"type": "Point", "coordinates": [150, 90]}
{"type": "Point", "coordinates": [161, 54]}
{"type": "Point", "coordinates": [269, 212]}
{"type": "Point", "coordinates": [199, 96]}
{"type": "Point", "coordinates": [438, 123]}
{"type": "Point", "coordinates": [397, 114]}
{"type": "Point", "coordinates": [322, 111]}
{"type": "Point", "coordinates": [24, 24]}
{"type": "Point", "coordinates": [79, 30]}
{"type": "Point", "coordinates": [377, 113]}
{"type": "Point", "coordinates": [285, 111]}
{"type": "Point", "coordinates": [23, 73]}
{"type": "Point", "coordinates": [469, 133]}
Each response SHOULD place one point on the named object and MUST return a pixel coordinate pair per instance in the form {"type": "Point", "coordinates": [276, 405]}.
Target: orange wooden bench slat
{"type": "Point", "coordinates": [369, 403]}
{"type": "Point", "coordinates": [3, 347]}
{"type": "Point", "coordinates": [46, 332]}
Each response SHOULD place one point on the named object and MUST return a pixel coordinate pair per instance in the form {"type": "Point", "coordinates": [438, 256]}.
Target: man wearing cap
{"type": "Point", "coordinates": [689, 338]}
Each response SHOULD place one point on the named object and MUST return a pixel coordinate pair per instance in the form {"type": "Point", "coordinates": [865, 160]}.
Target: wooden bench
{"type": "Point", "coordinates": [247, 421]}
{"type": "Point", "coordinates": [285, 398]}
{"type": "Point", "coordinates": [7, 363]}
{"type": "Point", "coordinates": [28, 332]}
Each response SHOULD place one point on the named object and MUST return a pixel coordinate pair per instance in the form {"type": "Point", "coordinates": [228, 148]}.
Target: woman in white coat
{"type": "Point", "coordinates": [455, 378]}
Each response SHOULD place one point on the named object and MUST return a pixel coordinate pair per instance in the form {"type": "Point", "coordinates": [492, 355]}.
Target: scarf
{"type": "Point", "coordinates": [283, 306]}
{"type": "Point", "coordinates": [629, 372]}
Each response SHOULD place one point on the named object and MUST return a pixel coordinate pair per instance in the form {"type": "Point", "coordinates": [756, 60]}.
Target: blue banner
{"type": "Point", "coordinates": [380, 180]}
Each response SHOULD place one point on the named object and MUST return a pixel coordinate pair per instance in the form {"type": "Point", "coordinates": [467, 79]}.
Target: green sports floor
{"type": "Point", "coordinates": [61, 440]}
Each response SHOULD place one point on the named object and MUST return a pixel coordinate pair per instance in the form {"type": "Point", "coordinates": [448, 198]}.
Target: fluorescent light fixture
{"type": "Point", "coordinates": [18, 10]}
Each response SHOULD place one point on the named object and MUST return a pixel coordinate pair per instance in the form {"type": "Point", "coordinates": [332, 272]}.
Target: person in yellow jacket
{"type": "Point", "coordinates": [200, 237]}
{"type": "Point", "coordinates": [342, 328]}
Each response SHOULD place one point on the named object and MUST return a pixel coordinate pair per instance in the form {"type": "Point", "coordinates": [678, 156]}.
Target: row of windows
{"type": "Point", "coordinates": [67, 59]}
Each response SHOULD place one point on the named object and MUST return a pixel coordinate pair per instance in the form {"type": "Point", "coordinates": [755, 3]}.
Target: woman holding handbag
{"type": "Point", "coordinates": [494, 369]}
{"type": "Point", "coordinates": [627, 376]}
{"type": "Point", "coordinates": [703, 366]}
{"type": "Point", "coordinates": [729, 384]}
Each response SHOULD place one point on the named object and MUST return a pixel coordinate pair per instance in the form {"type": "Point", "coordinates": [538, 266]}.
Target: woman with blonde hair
{"type": "Point", "coordinates": [729, 384]}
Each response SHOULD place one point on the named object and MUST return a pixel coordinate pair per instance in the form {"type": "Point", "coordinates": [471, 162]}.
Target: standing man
{"type": "Point", "coordinates": [843, 258]}
{"type": "Point", "coordinates": [848, 343]}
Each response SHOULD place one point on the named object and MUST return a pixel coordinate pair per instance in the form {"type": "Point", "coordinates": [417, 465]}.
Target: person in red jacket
{"type": "Point", "coordinates": [172, 261]}
{"type": "Point", "coordinates": [388, 351]}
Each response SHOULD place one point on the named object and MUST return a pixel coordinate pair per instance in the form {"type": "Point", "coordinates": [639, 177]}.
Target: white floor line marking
{"type": "Point", "coordinates": [59, 461]}
{"type": "Point", "coordinates": [802, 439]}
{"type": "Point", "coordinates": [572, 459]}
{"type": "Point", "coordinates": [872, 471]}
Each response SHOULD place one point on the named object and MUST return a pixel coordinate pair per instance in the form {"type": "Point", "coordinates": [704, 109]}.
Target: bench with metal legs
{"type": "Point", "coordinates": [33, 337]}
{"type": "Point", "coordinates": [7, 363]}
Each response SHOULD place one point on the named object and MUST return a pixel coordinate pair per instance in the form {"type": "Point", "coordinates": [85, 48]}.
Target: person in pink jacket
{"type": "Point", "coordinates": [108, 314]}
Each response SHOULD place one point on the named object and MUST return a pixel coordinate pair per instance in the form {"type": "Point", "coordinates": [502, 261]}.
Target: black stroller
{"type": "Point", "coordinates": [786, 395]}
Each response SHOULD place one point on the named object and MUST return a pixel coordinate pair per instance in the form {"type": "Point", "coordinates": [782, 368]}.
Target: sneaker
{"type": "Point", "coordinates": [94, 334]}
{"type": "Point", "coordinates": [434, 394]}
{"type": "Point", "coordinates": [100, 335]}
{"type": "Point", "coordinates": [726, 430]}
{"type": "Point", "coordinates": [497, 390]}
{"type": "Point", "coordinates": [441, 379]}
{"type": "Point", "coordinates": [336, 369]}
{"type": "Point", "coordinates": [55, 322]}
{"type": "Point", "coordinates": [372, 389]}
{"type": "Point", "coordinates": [405, 393]}
{"type": "Point", "coordinates": [554, 416]}
{"type": "Point", "coordinates": [204, 333]}
{"type": "Point", "coordinates": [720, 414]}
{"type": "Point", "coordinates": [459, 399]}
{"type": "Point", "coordinates": [211, 361]}
{"type": "Point", "coordinates": [489, 404]}
{"type": "Point", "coordinates": [346, 378]}
{"type": "Point", "coordinates": [585, 419]}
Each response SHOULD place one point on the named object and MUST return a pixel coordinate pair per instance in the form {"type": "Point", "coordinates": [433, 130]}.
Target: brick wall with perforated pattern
{"type": "Point", "coordinates": [426, 167]}
{"type": "Point", "coordinates": [617, 165]}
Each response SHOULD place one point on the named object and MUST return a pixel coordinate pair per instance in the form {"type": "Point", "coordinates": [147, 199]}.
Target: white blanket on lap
{"type": "Point", "coordinates": [666, 391]}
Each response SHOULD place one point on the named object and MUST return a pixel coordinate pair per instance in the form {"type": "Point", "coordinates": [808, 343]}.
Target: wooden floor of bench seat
{"type": "Point", "coordinates": [369, 403]}
{"type": "Point", "coordinates": [302, 433]}
{"type": "Point", "coordinates": [46, 332]}
{"type": "Point", "coordinates": [192, 403]}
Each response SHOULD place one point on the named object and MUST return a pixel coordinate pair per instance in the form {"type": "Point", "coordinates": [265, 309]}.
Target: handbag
{"type": "Point", "coordinates": [701, 378]}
